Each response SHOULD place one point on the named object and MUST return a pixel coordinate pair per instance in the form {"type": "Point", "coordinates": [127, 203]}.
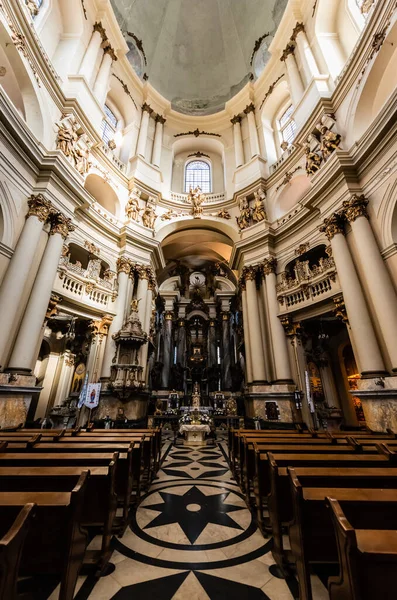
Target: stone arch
{"type": "Point", "coordinates": [103, 193]}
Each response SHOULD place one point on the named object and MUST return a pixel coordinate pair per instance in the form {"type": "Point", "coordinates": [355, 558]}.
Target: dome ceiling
{"type": "Point", "coordinates": [197, 53]}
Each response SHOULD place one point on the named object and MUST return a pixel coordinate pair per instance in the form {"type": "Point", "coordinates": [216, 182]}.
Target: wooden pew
{"type": "Point", "coordinates": [11, 545]}
{"type": "Point", "coordinates": [367, 560]}
{"type": "Point", "coordinates": [55, 542]}
{"type": "Point", "coordinates": [311, 532]}
{"type": "Point", "coordinates": [100, 500]}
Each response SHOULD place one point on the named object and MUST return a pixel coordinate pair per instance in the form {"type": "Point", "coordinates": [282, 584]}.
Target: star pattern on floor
{"type": "Point", "coordinates": [193, 511]}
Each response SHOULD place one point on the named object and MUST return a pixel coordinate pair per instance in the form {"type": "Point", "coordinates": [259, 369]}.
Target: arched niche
{"type": "Point", "coordinates": [103, 193]}
{"type": "Point", "coordinates": [380, 83]}
{"type": "Point", "coordinates": [335, 32]}
{"type": "Point", "coordinates": [185, 149]}
{"type": "Point", "coordinates": [290, 195]}
{"type": "Point", "coordinates": [19, 87]}
{"type": "Point", "coordinates": [226, 232]}
{"type": "Point", "coordinates": [271, 107]}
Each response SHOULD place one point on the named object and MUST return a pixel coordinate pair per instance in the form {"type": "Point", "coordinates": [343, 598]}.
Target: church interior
{"type": "Point", "coordinates": [198, 299]}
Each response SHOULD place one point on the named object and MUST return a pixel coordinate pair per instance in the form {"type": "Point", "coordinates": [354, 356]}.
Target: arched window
{"type": "Point", "coordinates": [198, 173]}
{"type": "Point", "coordinates": [287, 125]}
{"type": "Point", "coordinates": [109, 125]}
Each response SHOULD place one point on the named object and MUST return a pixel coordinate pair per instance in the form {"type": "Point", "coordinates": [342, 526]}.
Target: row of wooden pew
{"type": "Point", "coordinates": [60, 488]}
{"type": "Point", "coordinates": [336, 496]}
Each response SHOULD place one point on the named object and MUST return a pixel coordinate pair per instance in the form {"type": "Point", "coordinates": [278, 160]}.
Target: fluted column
{"type": "Point", "coordinates": [254, 327]}
{"type": "Point", "coordinates": [158, 140]}
{"type": "Point", "coordinates": [279, 339]}
{"type": "Point", "coordinates": [309, 63]}
{"type": "Point", "coordinates": [254, 140]}
{"type": "Point", "coordinates": [144, 128]}
{"type": "Point", "coordinates": [248, 359]}
{"type": "Point", "coordinates": [294, 77]}
{"type": "Point", "coordinates": [369, 357]}
{"type": "Point", "coordinates": [375, 273]}
{"type": "Point", "coordinates": [24, 353]}
{"type": "Point", "coordinates": [238, 141]}
{"type": "Point", "coordinates": [15, 278]}
{"type": "Point", "coordinates": [167, 345]}
{"type": "Point", "coordinates": [123, 270]}
{"type": "Point", "coordinates": [226, 352]}
{"type": "Point", "coordinates": [90, 56]}
{"type": "Point", "coordinates": [102, 80]}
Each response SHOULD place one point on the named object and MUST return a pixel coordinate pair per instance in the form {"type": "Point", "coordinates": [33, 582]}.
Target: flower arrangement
{"type": "Point", "coordinates": [195, 418]}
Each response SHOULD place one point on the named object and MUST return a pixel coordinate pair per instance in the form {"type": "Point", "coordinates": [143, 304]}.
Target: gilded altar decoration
{"type": "Point", "coordinates": [258, 209]}
{"type": "Point", "coordinates": [149, 215]}
{"type": "Point", "coordinates": [313, 160]}
{"type": "Point", "coordinates": [132, 209]}
{"type": "Point", "coordinates": [243, 220]}
{"type": "Point", "coordinates": [197, 198]}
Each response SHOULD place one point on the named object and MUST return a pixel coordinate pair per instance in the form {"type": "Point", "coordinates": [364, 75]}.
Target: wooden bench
{"type": "Point", "coordinates": [11, 545]}
{"type": "Point", "coordinates": [55, 542]}
{"type": "Point", "coordinates": [311, 531]}
{"type": "Point", "coordinates": [367, 560]}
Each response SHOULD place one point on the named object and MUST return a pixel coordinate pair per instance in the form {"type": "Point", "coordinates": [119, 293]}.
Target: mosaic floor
{"type": "Point", "coordinates": [193, 537]}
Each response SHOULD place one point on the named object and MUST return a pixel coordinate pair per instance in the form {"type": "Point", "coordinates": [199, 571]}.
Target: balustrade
{"type": "Point", "coordinates": [308, 284]}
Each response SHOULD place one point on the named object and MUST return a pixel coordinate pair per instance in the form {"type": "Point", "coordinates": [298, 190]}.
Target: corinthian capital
{"type": "Point", "coordinates": [147, 108]}
{"type": "Point", "coordinates": [288, 50]}
{"type": "Point", "coordinates": [249, 108]}
{"type": "Point", "coordinates": [39, 207]}
{"type": "Point", "coordinates": [61, 224]}
{"type": "Point", "coordinates": [299, 28]}
{"type": "Point", "coordinates": [123, 265]}
{"type": "Point", "coordinates": [249, 273]}
{"type": "Point", "coordinates": [333, 225]}
{"type": "Point", "coordinates": [355, 207]}
{"type": "Point", "coordinates": [236, 119]}
{"type": "Point", "coordinates": [269, 266]}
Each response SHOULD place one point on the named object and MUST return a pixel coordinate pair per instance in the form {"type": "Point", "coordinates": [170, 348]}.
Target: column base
{"type": "Point", "coordinates": [271, 402]}
{"type": "Point", "coordinates": [16, 394]}
{"type": "Point", "coordinates": [379, 401]}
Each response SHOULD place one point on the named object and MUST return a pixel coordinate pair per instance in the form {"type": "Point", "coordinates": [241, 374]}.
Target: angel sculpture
{"type": "Point", "coordinates": [258, 212]}
{"type": "Point", "coordinates": [132, 209]}
{"type": "Point", "coordinates": [197, 199]}
{"type": "Point", "coordinates": [149, 217]}
{"type": "Point", "coordinates": [243, 221]}
{"type": "Point", "coordinates": [330, 141]}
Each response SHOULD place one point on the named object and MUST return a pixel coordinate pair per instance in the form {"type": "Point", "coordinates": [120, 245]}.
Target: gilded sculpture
{"type": "Point", "coordinates": [313, 161]}
{"type": "Point", "coordinates": [329, 140]}
{"type": "Point", "coordinates": [132, 209]}
{"type": "Point", "coordinates": [258, 210]}
{"type": "Point", "coordinates": [149, 216]}
{"type": "Point", "coordinates": [196, 197]}
{"type": "Point", "coordinates": [32, 7]}
{"type": "Point", "coordinates": [68, 142]}
{"type": "Point", "coordinates": [243, 221]}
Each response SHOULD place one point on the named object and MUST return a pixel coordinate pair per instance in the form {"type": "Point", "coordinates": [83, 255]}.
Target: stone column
{"type": "Point", "coordinates": [181, 342]}
{"type": "Point", "coordinates": [158, 141]}
{"type": "Point", "coordinates": [309, 63]}
{"type": "Point", "coordinates": [375, 273]}
{"type": "Point", "coordinates": [254, 140]}
{"type": "Point", "coordinates": [238, 141]}
{"type": "Point", "coordinates": [102, 79]}
{"type": "Point", "coordinates": [144, 128]}
{"type": "Point", "coordinates": [146, 285]}
{"type": "Point", "coordinates": [369, 357]}
{"type": "Point", "coordinates": [167, 357]}
{"type": "Point", "coordinates": [65, 377]}
{"type": "Point", "coordinates": [14, 282]}
{"type": "Point", "coordinates": [294, 77]}
{"type": "Point", "coordinates": [24, 353]}
{"type": "Point", "coordinates": [254, 327]}
{"type": "Point", "coordinates": [226, 352]}
{"type": "Point", "coordinates": [90, 56]}
{"type": "Point", "coordinates": [212, 357]}
{"type": "Point", "coordinates": [248, 359]}
{"type": "Point", "coordinates": [279, 339]}
{"type": "Point", "coordinates": [123, 270]}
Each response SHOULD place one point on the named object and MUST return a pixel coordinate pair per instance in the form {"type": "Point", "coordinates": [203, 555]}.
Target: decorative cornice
{"type": "Point", "coordinates": [288, 50]}
{"type": "Point", "coordinates": [197, 133]}
{"type": "Point", "coordinates": [39, 207]}
{"type": "Point", "coordinates": [249, 108]}
{"type": "Point", "coordinates": [270, 90]}
{"type": "Point", "coordinates": [61, 224]}
{"type": "Point", "coordinates": [236, 119]}
{"type": "Point", "coordinates": [299, 28]}
{"type": "Point", "coordinates": [355, 207]}
{"type": "Point", "coordinates": [198, 155]}
{"type": "Point", "coordinates": [333, 225]}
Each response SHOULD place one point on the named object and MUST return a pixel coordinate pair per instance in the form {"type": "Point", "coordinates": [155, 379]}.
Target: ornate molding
{"type": "Point", "coordinates": [39, 207]}
{"type": "Point", "coordinates": [101, 327]}
{"type": "Point", "coordinates": [147, 108]}
{"type": "Point", "coordinates": [139, 44]}
{"type": "Point", "coordinates": [291, 329]}
{"type": "Point", "coordinates": [160, 119]}
{"type": "Point", "coordinates": [99, 27]}
{"type": "Point", "coordinates": [287, 177]}
{"type": "Point", "coordinates": [197, 133]}
{"type": "Point", "coordinates": [199, 155]}
{"type": "Point", "coordinates": [301, 249]}
{"type": "Point", "coordinates": [249, 273]}
{"type": "Point", "coordinates": [355, 207]}
{"type": "Point", "coordinates": [125, 88]}
{"type": "Point", "coordinates": [257, 45]}
{"type": "Point", "coordinates": [52, 309]}
{"type": "Point", "coordinates": [333, 225]}
{"type": "Point", "coordinates": [270, 90]}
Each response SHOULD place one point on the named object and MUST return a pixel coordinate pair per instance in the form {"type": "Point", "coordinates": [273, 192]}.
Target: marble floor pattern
{"type": "Point", "coordinates": [192, 537]}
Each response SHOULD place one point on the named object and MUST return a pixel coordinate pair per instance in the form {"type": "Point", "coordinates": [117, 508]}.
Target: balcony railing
{"type": "Point", "coordinates": [209, 198]}
{"type": "Point", "coordinates": [309, 283]}
{"type": "Point", "coordinates": [283, 158]}
{"type": "Point", "coordinates": [116, 161]}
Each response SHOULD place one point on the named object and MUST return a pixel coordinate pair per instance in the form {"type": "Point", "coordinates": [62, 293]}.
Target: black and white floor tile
{"type": "Point", "coordinates": [192, 537]}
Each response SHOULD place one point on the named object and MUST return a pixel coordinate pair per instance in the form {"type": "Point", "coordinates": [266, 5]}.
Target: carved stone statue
{"type": "Point", "coordinates": [81, 156]}
{"type": "Point", "coordinates": [313, 161]}
{"type": "Point", "coordinates": [329, 141]}
{"type": "Point", "coordinates": [243, 221]}
{"type": "Point", "coordinates": [149, 216]}
{"type": "Point", "coordinates": [224, 214]}
{"type": "Point", "coordinates": [132, 209]}
{"type": "Point", "coordinates": [156, 375]}
{"type": "Point", "coordinates": [135, 304]}
{"type": "Point", "coordinates": [171, 214]}
{"type": "Point", "coordinates": [197, 199]}
{"type": "Point", "coordinates": [32, 6]}
{"type": "Point", "coordinates": [66, 139]}
{"type": "Point", "coordinates": [258, 212]}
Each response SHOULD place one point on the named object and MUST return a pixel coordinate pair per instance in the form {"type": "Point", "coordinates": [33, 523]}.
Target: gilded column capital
{"type": "Point", "coordinates": [249, 273]}
{"type": "Point", "coordinates": [100, 28]}
{"type": "Point", "coordinates": [288, 51]}
{"type": "Point", "coordinates": [61, 224]}
{"type": "Point", "coordinates": [291, 328]}
{"type": "Point", "coordinates": [52, 309]}
{"type": "Point", "coordinates": [333, 225]}
{"type": "Point", "coordinates": [236, 120]}
{"type": "Point", "coordinates": [147, 108]}
{"type": "Point", "coordinates": [249, 108]}
{"type": "Point", "coordinates": [299, 28]}
{"type": "Point", "coordinates": [355, 207]}
{"type": "Point", "coordinates": [212, 323]}
{"type": "Point", "coordinates": [181, 323]}
{"type": "Point", "coordinates": [226, 315]}
{"type": "Point", "coordinates": [101, 327]}
{"type": "Point", "coordinates": [269, 266]}
{"type": "Point", "coordinates": [123, 265]}
{"type": "Point", "coordinates": [109, 50]}
{"type": "Point", "coordinates": [39, 207]}
{"type": "Point", "coordinates": [340, 309]}
{"type": "Point", "coordinates": [160, 119]}
{"type": "Point", "coordinates": [169, 315]}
